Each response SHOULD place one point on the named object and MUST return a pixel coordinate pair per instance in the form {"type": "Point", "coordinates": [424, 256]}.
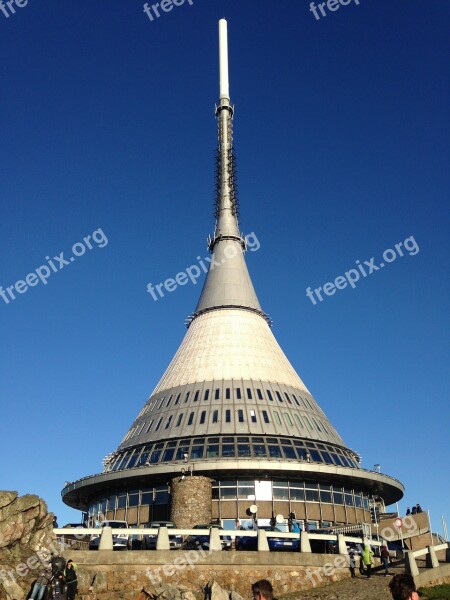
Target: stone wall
{"type": "Point", "coordinates": [122, 574]}
{"type": "Point", "coordinates": [191, 501]}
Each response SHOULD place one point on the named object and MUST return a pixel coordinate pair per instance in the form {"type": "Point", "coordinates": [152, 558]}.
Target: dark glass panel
{"type": "Point", "coordinates": [244, 450]}
{"type": "Point", "coordinates": [168, 454]}
{"type": "Point", "coordinates": [274, 452]}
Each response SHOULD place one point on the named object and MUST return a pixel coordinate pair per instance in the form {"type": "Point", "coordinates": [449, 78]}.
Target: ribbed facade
{"type": "Point", "coordinates": [231, 407]}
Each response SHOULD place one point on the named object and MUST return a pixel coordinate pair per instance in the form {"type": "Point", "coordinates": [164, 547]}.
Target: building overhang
{"type": "Point", "coordinates": [80, 493]}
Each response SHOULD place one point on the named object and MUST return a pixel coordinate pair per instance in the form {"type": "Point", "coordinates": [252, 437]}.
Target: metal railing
{"type": "Point", "coordinates": [215, 534]}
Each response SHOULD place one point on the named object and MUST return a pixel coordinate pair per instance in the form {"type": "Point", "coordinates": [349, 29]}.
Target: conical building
{"type": "Point", "coordinates": [230, 424]}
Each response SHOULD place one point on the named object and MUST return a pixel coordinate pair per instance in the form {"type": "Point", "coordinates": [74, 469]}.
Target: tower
{"type": "Point", "coordinates": [230, 424]}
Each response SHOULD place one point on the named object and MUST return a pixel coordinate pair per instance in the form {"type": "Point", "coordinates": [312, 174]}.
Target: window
{"type": "Point", "coordinates": [265, 416]}
{"type": "Point", "coordinates": [253, 416]}
{"type": "Point", "coordinates": [240, 416]}
{"type": "Point", "coordinates": [299, 421]}
{"type": "Point", "coordinates": [186, 398]}
{"type": "Point", "coordinates": [286, 395]}
{"type": "Point", "coordinates": [278, 395]}
{"type": "Point", "coordinates": [217, 394]}
{"type": "Point", "coordinates": [269, 395]}
{"type": "Point", "coordinates": [228, 416]}
{"type": "Point", "coordinates": [297, 494]}
{"type": "Point", "coordinates": [191, 418]}
{"type": "Point", "coordinates": [180, 418]}
{"type": "Point", "coordinates": [206, 395]}
{"type": "Point", "coordinates": [227, 393]}
{"type": "Point", "coordinates": [158, 424]}
{"type": "Point", "coordinates": [296, 400]}
{"type": "Point", "coordinates": [259, 394]}
{"type": "Point", "coordinates": [259, 450]}
{"type": "Point", "coordinates": [168, 455]}
{"type": "Point", "coordinates": [274, 452]}
{"type": "Point", "coordinates": [244, 450]}
{"type": "Point", "coordinates": [277, 417]}
{"type": "Point", "coordinates": [197, 393]}
{"type": "Point", "coordinates": [238, 393]}
{"type": "Point", "coordinates": [215, 416]}
{"type": "Point", "coordinates": [149, 425]}
{"type": "Point", "coordinates": [228, 450]}
{"type": "Point", "coordinates": [249, 393]}
{"type": "Point", "coordinates": [177, 399]}
{"type": "Point", "coordinates": [289, 452]}
{"type": "Point", "coordinates": [161, 403]}
{"type": "Point", "coordinates": [212, 451]}
{"type": "Point", "coordinates": [202, 417]}
{"type": "Point", "coordinates": [288, 419]}
{"type": "Point", "coordinates": [155, 456]}
{"type": "Point", "coordinates": [197, 451]}
{"type": "Point", "coordinates": [169, 421]}
{"type": "Point", "coordinates": [169, 400]}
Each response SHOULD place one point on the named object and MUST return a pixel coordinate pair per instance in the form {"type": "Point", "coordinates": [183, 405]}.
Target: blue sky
{"type": "Point", "coordinates": [341, 134]}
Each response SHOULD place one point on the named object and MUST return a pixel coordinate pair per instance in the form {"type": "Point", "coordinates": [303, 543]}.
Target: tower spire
{"type": "Point", "coordinates": [228, 282]}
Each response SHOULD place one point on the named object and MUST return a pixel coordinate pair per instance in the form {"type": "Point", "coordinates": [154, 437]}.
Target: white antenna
{"type": "Point", "coordinates": [223, 59]}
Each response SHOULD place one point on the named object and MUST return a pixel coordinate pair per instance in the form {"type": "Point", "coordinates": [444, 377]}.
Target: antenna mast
{"type": "Point", "coordinates": [226, 210]}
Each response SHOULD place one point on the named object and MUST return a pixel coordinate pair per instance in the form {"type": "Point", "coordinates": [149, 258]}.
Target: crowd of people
{"type": "Point", "coordinates": [60, 577]}
{"type": "Point", "coordinates": [415, 510]}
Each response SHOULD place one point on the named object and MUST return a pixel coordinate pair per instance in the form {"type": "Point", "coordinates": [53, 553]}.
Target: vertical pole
{"type": "Point", "coordinates": [444, 528]}
{"type": "Point", "coordinates": [223, 59]}
{"type": "Point", "coordinates": [431, 530]}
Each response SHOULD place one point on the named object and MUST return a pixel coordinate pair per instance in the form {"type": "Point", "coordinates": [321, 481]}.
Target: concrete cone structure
{"type": "Point", "coordinates": [232, 409]}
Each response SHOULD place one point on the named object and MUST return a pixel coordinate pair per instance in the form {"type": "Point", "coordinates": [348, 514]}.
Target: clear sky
{"type": "Point", "coordinates": [341, 134]}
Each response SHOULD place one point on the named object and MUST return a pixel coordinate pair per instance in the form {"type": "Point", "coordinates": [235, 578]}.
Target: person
{"type": "Point", "coordinates": [408, 511]}
{"type": "Point", "coordinates": [295, 526]}
{"type": "Point", "coordinates": [55, 522]}
{"type": "Point", "coordinates": [367, 560]}
{"type": "Point", "coordinates": [262, 590]}
{"type": "Point", "coordinates": [402, 587]}
{"type": "Point", "coordinates": [352, 563]}
{"type": "Point", "coordinates": [414, 510]}
{"type": "Point", "coordinates": [418, 508]}
{"type": "Point", "coordinates": [41, 584]}
{"type": "Point", "coordinates": [384, 555]}
{"type": "Point", "coordinates": [70, 576]}
{"type": "Point", "coordinates": [58, 584]}
{"type": "Point", "coordinates": [57, 580]}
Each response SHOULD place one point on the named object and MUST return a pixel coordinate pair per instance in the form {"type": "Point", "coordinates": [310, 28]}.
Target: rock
{"type": "Point", "coordinates": [215, 592]}
{"type": "Point", "coordinates": [188, 595]}
{"type": "Point", "coordinates": [6, 498]}
{"type": "Point", "coordinates": [25, 528]}
{"type": "Point", "coordinates": [13, 590]}
{"type": "Point", "coordinates": [235, 596]}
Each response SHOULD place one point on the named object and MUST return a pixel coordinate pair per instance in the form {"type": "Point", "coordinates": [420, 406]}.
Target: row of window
{"type": "Point", "coordinates": [239, 394]}
{"type": "Point", "coordinates": [294, 491]}
{"type": "Point", "coordinates": [226, 415]}
{"type": "Point", "coordinates": [230, 447]}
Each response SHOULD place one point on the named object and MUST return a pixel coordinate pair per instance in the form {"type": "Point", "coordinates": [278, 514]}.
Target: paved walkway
{"type": "Point", "coordinates": [361, 588]}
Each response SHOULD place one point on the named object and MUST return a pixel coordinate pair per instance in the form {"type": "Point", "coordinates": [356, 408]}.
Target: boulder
{"type": "Point", "coordinates": [6, 498]}
{"type": "Point", "coordinates": [213, 591]}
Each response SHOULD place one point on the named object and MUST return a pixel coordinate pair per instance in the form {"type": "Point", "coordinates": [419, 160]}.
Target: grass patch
{"type": "Point", "coordinates": [439, 592]}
